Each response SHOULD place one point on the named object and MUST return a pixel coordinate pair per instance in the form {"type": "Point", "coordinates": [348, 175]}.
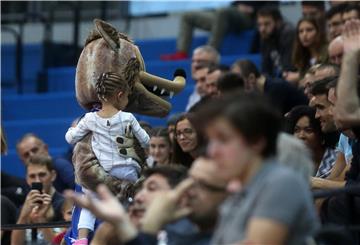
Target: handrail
{"type": "Point", "coordinates": [18, 59]}
{"type": "Point", "coordinates": [9, 227]}
{"type": "Point", "coordinates": [351, 190]}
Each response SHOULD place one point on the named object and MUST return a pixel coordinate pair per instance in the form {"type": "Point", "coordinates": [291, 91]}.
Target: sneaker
{"type": "Point", "coordinates": [179, 55]}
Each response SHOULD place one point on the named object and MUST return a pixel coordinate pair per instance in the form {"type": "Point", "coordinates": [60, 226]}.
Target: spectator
{"type": "Point", "coordinates": [351, 12]}
{"type": "Point", "coordinates": [189, 143]}
{"type": "Point", "coordinates": [203, 197]}
{"type": "Point", "coordinates": [336, 50]}
{"type": "Point", "coordinates": [313, 9]}
{"type": "Point", "coordinates": [39, 207]}
{"type": "Point", "coordinates": [347, 107]}
{"type": "Point", "coordinates": [8, 209]}
{"type": "Point", "coordinates": [334, 21]}
{"type": "Point", "coordinates": [158, 180]}
{"type": "Point", "coordinates": [200, 87]}
{"type": "Point", "coordinates": [242, 132]}
{"type": "Point", "coordinates": [160, 147]}
{"type": "Point", "coordinates": [30, 144]}
{"type": "Point", "coordinates": [66, 211]}
{"type": "Point", "coordinates": [309, 48]}
{"type": "Point", "coordinates": [230, 82]}
{"type": "Point", "coordinates": [318, 72]}
{"type": "Point", "coordinates": [212, 78]}
{"type": "Point", "coordinates": [276, 36]}
{"type": "Point", "coordinates": [344, 209]}
{"type": "Point", "coordinates": [293, 153]}
{"type": "Point", "coordinates": [304, 125]}
{"type": "Point", "coordinates": [235, 18]}
{"type": "Point", "coordinates": [320, 102]}
{"type": "Point", "coordinates": [203, 192]}
{"type": "Point", "coordinates": [171, 126]}
{"type": "Point", "coordinates": [344, 151]}
{"type": "Point", "coordinates": [283, 95]}
{"type": "Point", "coordinates": [14, 188]}
{"type": "Point", "coordinates": [203, 56]}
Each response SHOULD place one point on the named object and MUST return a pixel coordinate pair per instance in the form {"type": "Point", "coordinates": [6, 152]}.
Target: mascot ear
{"type": "Point", "coordinates": [109, 33]}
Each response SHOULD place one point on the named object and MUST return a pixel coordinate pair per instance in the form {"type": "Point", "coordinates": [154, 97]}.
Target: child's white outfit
{"type": "Point", "coordinates": [106, 132]}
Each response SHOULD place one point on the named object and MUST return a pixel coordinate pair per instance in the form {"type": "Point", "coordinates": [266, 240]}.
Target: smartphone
{"type": "Point", "coordinates": [37, 186]}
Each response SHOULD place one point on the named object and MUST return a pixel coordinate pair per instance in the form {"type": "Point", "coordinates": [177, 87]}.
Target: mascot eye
{"type": "Point", "coordinates": [119, 140]}
{"type": "Point", "coordinates": [123, 151]}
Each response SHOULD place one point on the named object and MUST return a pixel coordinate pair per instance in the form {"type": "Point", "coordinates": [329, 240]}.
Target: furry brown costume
{"type": "Point", "coordinates": [107, 50]}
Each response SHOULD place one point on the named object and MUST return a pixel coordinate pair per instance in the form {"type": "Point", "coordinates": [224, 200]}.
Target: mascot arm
{"type": "Point", "coordinates": [89, 173]}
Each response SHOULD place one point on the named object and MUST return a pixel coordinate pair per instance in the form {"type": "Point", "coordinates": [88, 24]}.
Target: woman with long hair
{"type": "Point", "coordinates": [310, 47]}
{"type": "Point", "coordinates": [188, 142]}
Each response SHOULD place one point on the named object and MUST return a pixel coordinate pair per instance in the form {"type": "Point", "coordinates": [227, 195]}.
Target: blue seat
{"type": "Point", "coordinates": [61, 79]}
{"type": "Point", "coordinates": [31, 64]}
{"type": "Point", "coordinates": [52, 131]}
{"type": "Point", "coordinates": [41, 106]}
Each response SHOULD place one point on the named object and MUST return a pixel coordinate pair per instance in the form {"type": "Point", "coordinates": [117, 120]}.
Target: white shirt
{"type": "Point", "coordinates": [105, 131]}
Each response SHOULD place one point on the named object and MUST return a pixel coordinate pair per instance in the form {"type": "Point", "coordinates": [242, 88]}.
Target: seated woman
{"type": "Point", "coordinates": [272, 204]}
{"type": "Point", "coordinates": [310, 47]}
{"type": "Point", "coordinates": [303, 125]}
{"type": "Point", "coordinates": [159, 147]}
{"type": "Point", "coordinates": [188, 142]}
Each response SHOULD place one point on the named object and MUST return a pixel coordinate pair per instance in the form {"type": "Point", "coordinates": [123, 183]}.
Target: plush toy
{"type": "Point", "coordinates": [107, 50]}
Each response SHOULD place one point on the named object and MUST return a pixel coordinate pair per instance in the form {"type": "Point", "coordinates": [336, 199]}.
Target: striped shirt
{"type": "Point", "coordinates": [327, 163]}
{"type": "Point", "coordinates": [105, 132]}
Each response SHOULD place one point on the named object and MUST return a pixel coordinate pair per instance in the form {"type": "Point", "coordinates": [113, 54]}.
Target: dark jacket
{"type": "Point", "coordinates": [276, 51]}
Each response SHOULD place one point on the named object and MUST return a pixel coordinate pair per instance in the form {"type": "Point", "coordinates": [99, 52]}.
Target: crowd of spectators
{"type": "Point", "coordinates": [241, 164]}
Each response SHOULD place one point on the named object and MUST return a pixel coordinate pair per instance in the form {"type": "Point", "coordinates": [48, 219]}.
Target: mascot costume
{"type": "Point", "coordinates": [107, 50]}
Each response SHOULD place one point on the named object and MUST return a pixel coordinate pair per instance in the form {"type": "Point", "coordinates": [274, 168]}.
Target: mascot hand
{"type": "Point", "coordinates": [89, 173]}
{"type": "Point", "coordinates": [126, 144]}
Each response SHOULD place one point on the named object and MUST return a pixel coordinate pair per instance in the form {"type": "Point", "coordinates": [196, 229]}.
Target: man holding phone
{"type": "Point", "coordinates": [43, 203]}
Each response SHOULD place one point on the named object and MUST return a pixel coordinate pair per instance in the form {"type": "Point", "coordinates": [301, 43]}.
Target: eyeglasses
{"type": "Point", "coordinates": [187, 132]}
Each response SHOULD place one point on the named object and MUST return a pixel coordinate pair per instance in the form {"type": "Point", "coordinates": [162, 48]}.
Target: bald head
{"type": "Point", "coordinates": [30, 145]}
{"type": "Point", "coordinates": [336, 50]}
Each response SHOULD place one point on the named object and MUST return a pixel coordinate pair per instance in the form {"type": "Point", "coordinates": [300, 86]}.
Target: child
{"type": "Point", "coordinates": [66, 210]}
{"type": "Point", "coordinates": [107, 125]}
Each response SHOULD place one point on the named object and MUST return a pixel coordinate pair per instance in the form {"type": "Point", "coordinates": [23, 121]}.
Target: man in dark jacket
{"type": "Point", "coordinates": [276, 40]}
